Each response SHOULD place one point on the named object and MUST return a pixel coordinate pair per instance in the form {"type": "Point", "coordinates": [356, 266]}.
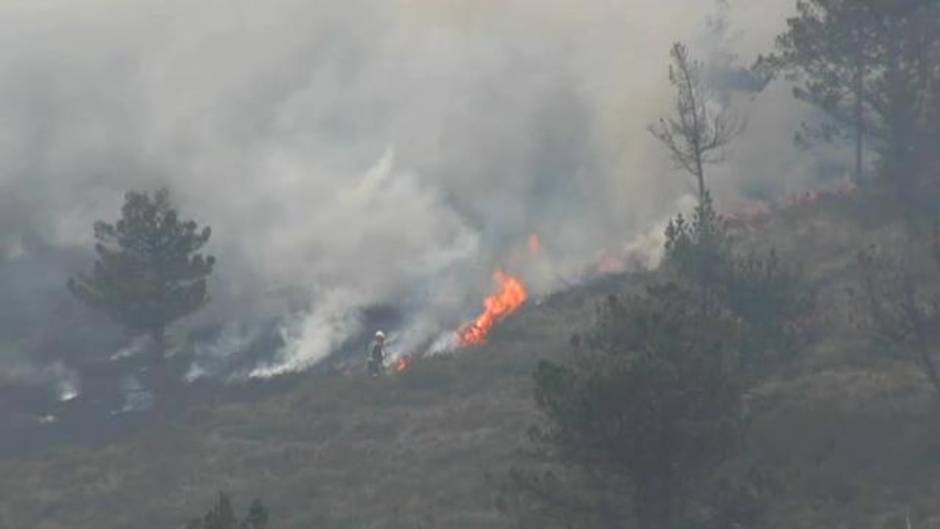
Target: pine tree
{"type": "Point", "coordinates": [870, 66]}
{"type": "Point", "coordinates": [830, 52]}
{"type": "Point", "coordinates": [700, 250]}
{"type": "Point", "coordinates": [149, 272]}
{"type": "Point", "coordinates": [769, 296]}
{"type": "Point", "coordinates": [695, 133]}
{"type": "Point", "coordinates": [654, 401]}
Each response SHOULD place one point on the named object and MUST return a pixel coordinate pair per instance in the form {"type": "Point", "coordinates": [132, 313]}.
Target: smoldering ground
{"type": "Point", "coordinates": [352, 154]}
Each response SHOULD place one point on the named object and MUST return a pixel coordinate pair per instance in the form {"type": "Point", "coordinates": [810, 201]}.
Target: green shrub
{"type": "Point", "coordinates": [655, 400]}
{"type": "Point", "coordinates": [775, 305]}
{"type": "Point", "coordinates": [769, 297]}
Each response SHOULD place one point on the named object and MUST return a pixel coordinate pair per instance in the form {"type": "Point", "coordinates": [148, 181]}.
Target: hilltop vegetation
{"type": "Point", "coordinates": [837, 435]}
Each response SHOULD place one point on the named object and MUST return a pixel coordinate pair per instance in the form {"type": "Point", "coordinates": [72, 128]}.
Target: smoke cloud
{"type": "Point", "coordinates": [361, 153]}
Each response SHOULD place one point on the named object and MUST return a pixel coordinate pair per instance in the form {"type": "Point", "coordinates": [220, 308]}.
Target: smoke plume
{"type": "Point", "coordinates": [363, 153]}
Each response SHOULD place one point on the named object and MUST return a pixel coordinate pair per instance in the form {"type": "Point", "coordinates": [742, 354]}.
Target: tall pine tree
{"type": "Point", "coordinates": [149, 272]}
{"type": "Point", "coordinates": [695, 133]}
{"type": "Point", "coordinates": [870, 67]}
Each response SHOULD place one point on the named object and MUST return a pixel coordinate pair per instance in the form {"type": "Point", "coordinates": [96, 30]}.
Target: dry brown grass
{"type": "Point", "coordinates": [337, 451]}
{"type": "Point", "coordinates": [849, 436]}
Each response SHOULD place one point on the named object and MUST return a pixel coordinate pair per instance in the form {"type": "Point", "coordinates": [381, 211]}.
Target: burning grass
{"type": "Point", "coordinates": [847, 439]}
{"type": "Point", "coordinates": [511, 296]}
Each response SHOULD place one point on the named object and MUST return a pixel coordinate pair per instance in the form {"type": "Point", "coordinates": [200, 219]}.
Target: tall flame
{"type": "Point", "coordinates": [511, 296]}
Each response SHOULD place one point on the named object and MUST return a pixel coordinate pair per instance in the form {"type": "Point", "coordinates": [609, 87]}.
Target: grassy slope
{"type": "Point", "coordinates": [845, 429]}
{"type": "Point", "coordinates": [847, 434]}
{"type": "Point", "coordinates": [337, 451]}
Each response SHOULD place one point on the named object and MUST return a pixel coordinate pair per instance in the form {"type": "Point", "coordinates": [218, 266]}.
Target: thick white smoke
{"type": "Point", "coordinates": [349, 154]}
{"type": "Point", "coordinates": [312, 336]}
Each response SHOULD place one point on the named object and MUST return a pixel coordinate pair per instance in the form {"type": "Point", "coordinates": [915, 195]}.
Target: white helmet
{"type": "Point", "coordinates": [379, 334]}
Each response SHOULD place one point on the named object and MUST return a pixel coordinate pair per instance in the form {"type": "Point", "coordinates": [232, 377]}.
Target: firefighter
{"type": "Point", "coordinates": [376, 354]}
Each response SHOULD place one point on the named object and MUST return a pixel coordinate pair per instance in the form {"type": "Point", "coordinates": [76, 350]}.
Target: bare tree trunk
{"type": "Point", "coordinates": [696, 141]}
{"type": "Point", "coordinates": [700, 175]}
{"type": "Point", "coordinates": [694, 136]}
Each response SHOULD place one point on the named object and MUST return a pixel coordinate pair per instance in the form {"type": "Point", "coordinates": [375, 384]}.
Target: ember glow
{"type": "Point", "coordinates": [402, 364]}
{"type": "Point", "coordinates": [511, 296]}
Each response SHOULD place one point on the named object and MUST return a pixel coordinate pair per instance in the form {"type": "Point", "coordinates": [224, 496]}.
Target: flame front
{"type": "Point", "coordinates": [511, 296]}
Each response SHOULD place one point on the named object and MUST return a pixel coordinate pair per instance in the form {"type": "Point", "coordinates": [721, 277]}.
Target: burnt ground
{"type": "Point", "coordinates": [117, 396]}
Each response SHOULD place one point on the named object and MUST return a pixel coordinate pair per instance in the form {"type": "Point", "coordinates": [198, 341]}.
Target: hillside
{"type": "Point", "coordinates": [847, 437]}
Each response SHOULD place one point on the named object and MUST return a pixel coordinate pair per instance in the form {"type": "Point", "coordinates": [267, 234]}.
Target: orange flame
{"type": "Point", "coordinates": [402, 364]}
{"type": "Point", "coordinates": [511, 296]}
